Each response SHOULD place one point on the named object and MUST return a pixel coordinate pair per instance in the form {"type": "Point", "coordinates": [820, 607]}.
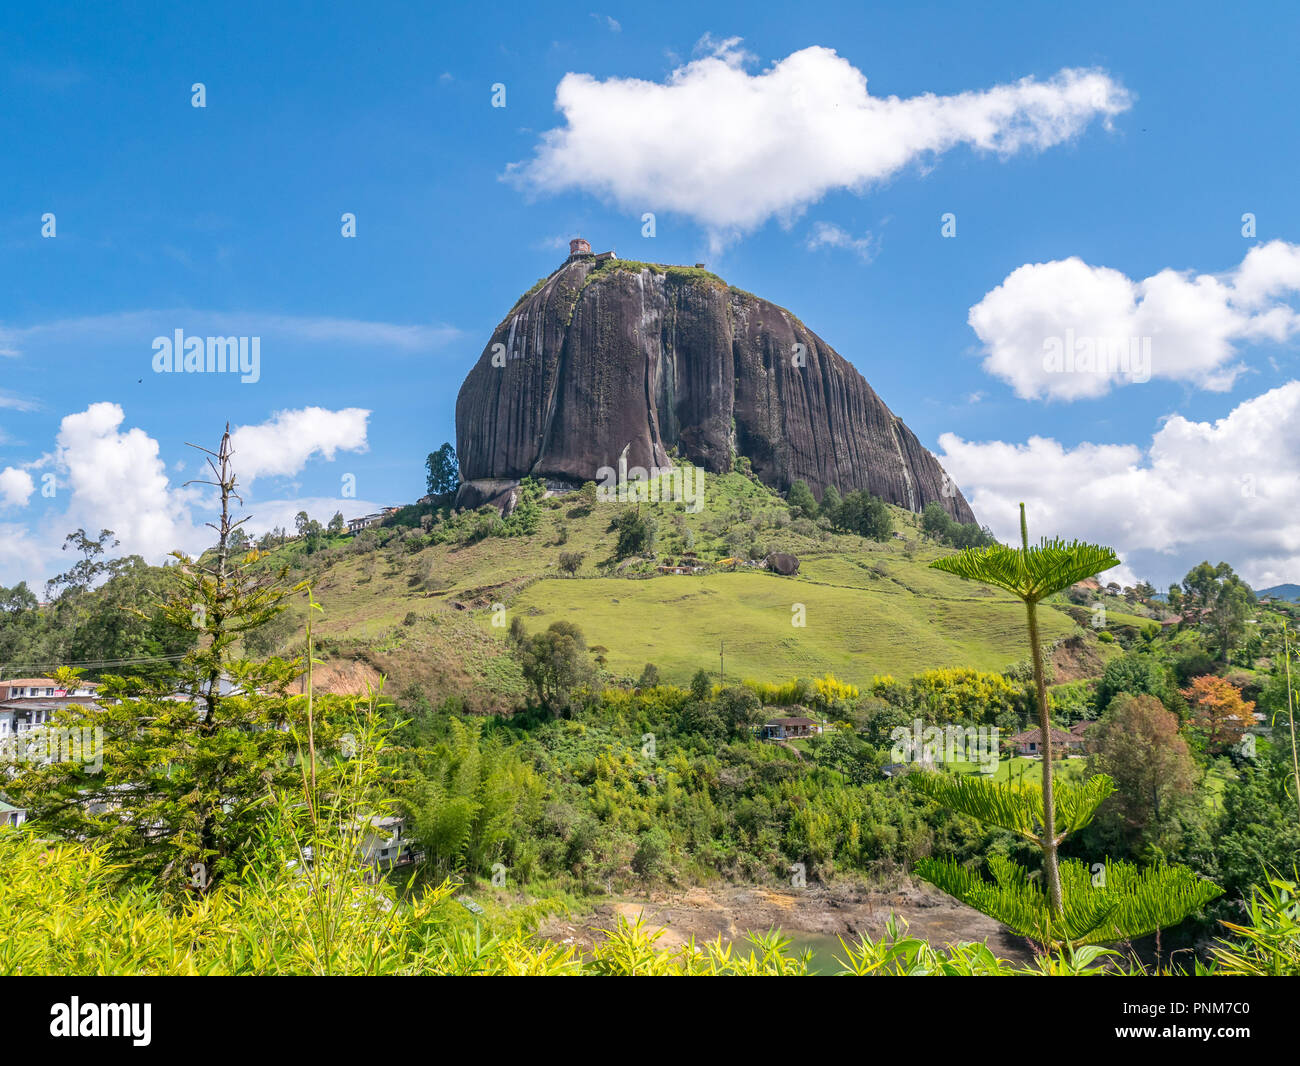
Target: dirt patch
{"type": "Point", "coordinates": [345, 677]}
{"type": "Point", "coordinates": [731, 911]}
{"type": "Point", "coordinates": [1075, 658]}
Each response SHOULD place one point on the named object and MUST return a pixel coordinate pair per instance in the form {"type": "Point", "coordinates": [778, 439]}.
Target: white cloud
{"type": "Point", "coordinates": [1224, 490]}
{"type": "Point", "coordinates": [22, 556]}
{"type": "Point", "coordinates": [115, 478]}
{"type": "Point", "coordinates": [829, 235]}
{"type": "Point", "coordinates": [16, 487]}
{"type": "Point", "coordinates": [117, 481]}
{"type": "Point", "coordinates": [732, 149]}
{"type": "Point", "coordinates": [140, 327]}
{"type": "Point", "coordinates": [1174, 325]}
{"type": "Point", "coordinates": [283, 445]}
{"type": "Point", "coordinates": [16, 403]}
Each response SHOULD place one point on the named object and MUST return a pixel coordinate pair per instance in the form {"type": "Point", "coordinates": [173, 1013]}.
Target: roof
{"type": "Point", "coordinates": [43, 682]}
{"type": "Point", "coordinates": [1035, 736]}
{"type": "Point", "coordinates": [790, 721]}
{"type": "Point", "coordinates": [47, 703]}
{"type": "Point", "coordinates": [1079, 728]}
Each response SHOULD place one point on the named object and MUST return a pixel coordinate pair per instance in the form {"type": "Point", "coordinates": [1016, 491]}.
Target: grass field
{"type": "Point", "coordinates": [867, 608]}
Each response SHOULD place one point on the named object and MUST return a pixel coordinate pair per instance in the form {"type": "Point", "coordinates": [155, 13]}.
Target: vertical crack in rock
{"type": "Point", "coordinates": [608, 354]}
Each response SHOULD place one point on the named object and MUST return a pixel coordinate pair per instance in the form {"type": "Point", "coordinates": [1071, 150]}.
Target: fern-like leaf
{"type": "Point", "coordinates": [1114, 902]}
{"type": "Point", "coordinates": [1030, 573]}
{"type": "Point", "coordinates": [1018, 808]}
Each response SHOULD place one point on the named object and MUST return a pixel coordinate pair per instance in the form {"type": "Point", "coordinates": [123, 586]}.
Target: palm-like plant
{"type": "Point", "coordinates": [1032, 574]}
{"type": "Point", "coordinates": [1114, 901]}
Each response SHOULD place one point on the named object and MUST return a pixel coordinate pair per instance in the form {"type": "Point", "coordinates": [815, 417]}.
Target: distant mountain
{"type": "Point", "coordinates": [1281, 592]}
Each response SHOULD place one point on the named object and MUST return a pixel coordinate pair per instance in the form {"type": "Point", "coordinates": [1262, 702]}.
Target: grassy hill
{"type": "Point", "coordinates": [424, 614]}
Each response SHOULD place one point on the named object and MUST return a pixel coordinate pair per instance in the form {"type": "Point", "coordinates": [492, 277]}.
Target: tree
{"type": "Point", "coordinates": [801, 501]}
{"type": "Point", "coordinates": [1218, 711]}
{"type": "Point", "coordinates": [866, 515]}
{"type": "Point", "coordinates": [831, 503]}
{"type": "Point", "coordinates": [1231, 604]}
{"type": "Point", "coordinates": [555, 664]}
{"type": "Point", "coordinates": [1032, 574]}
{"type": "Point", "coordinates": [1289, 703]}
{"type": "Point", "coordinates": [1257, 836]}
{"type": "Point", "coordinates": [180, 790]}
{"type": "Point", "coordinates": [649, 676]}
{"type": "Point", "coordinates": [636, 533]}
{"type": "Point", "coordinates": [336, 524]}
{"type": "Point", "coordinates": [701, 686]}
{"type": "Point", "coordinates": [1134, 674]}
{"type": "Point", "coordinates": [935, 521]}
{"type": "Point", "coordinates": [1136, 744]}
{"type": "Point", "coordinates": [571, 562]}
{"type": "Point", "coordinates": [1225, 600]}
{"type": "Point", "coordinates": [442, 471]}
{"type": "Point", "coordinates": [91, 566]}
{"type": "Point", "coordinates": [1133, 901]}
{"type": "Point", "coordinates": [739, 708]}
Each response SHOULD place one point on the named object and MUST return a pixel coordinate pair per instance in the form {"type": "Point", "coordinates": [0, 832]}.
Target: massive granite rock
{"type": "Point", "coordinates": [606, 354]}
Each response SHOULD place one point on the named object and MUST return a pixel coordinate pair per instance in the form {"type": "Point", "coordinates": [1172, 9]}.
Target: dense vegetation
{"type": "Point", "coordinates": [590, 781]}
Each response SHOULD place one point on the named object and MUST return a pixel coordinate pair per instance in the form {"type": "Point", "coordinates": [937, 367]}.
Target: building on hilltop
{"type": "Point", "coordinates": [580, 248]}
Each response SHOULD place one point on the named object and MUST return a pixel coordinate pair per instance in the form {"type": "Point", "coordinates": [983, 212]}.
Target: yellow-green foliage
{"type": "Point", "coordinates": [65, 912]}
{"type": "Point", "coordinates": [954, 694]}
{"type": "Point", "coordinates": [827, 691]}
{"type": "Point", "coordinates": [775, 694]}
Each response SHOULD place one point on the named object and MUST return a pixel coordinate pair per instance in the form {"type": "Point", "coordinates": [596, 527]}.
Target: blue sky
{"type": "Point", "coordinates": [226, 219]}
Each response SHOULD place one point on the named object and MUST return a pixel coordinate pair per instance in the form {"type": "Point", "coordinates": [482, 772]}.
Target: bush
{"type": "Point", "coordinates": [866, 515]}
{"type": "Point", "coordinates": [636, 533]}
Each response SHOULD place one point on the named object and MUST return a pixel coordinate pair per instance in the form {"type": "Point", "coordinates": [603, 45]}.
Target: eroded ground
{"type": "Point", "coordinates": [813, 916]}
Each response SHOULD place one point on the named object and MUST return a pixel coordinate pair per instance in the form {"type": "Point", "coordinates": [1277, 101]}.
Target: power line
{"type": "Point", "coordinates": [95, 664]}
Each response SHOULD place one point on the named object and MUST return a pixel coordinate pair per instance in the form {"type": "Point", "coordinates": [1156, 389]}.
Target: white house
{"type": "Point", "coordinates": [10, 816]}
{"type": "Point", "coordinates": [29, 702]}
{"type": "Point", "coordinates": [389, 842]}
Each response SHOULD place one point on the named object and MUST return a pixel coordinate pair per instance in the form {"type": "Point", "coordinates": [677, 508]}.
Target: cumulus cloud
{"type": "Point", "coordinates": [1223, 490]}
{"type": "Point", "coordinates": [829, 235]}
{"type": "Point", "coordinates": [16, 487]}
{"type": "Point", "coordinates": [22, 556]}
{"type": "Point", "coordinates": [118, 481]}
{"type": "Point", "coordinates": [113, 477]}
{"type": "Point", "coordinates": [1067, 330]}
{"type": "Point", "coordinates": [732, 149]}
{"type": "Point", "coordinates": [285, 443]}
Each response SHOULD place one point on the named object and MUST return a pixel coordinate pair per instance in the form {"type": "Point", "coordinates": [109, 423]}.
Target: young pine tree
{"type": "Point", "coordinates": [188, 759]}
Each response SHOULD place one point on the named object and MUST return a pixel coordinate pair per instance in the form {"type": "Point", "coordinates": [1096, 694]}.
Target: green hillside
{"type": "Point", "coordinates": [423, 613]}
